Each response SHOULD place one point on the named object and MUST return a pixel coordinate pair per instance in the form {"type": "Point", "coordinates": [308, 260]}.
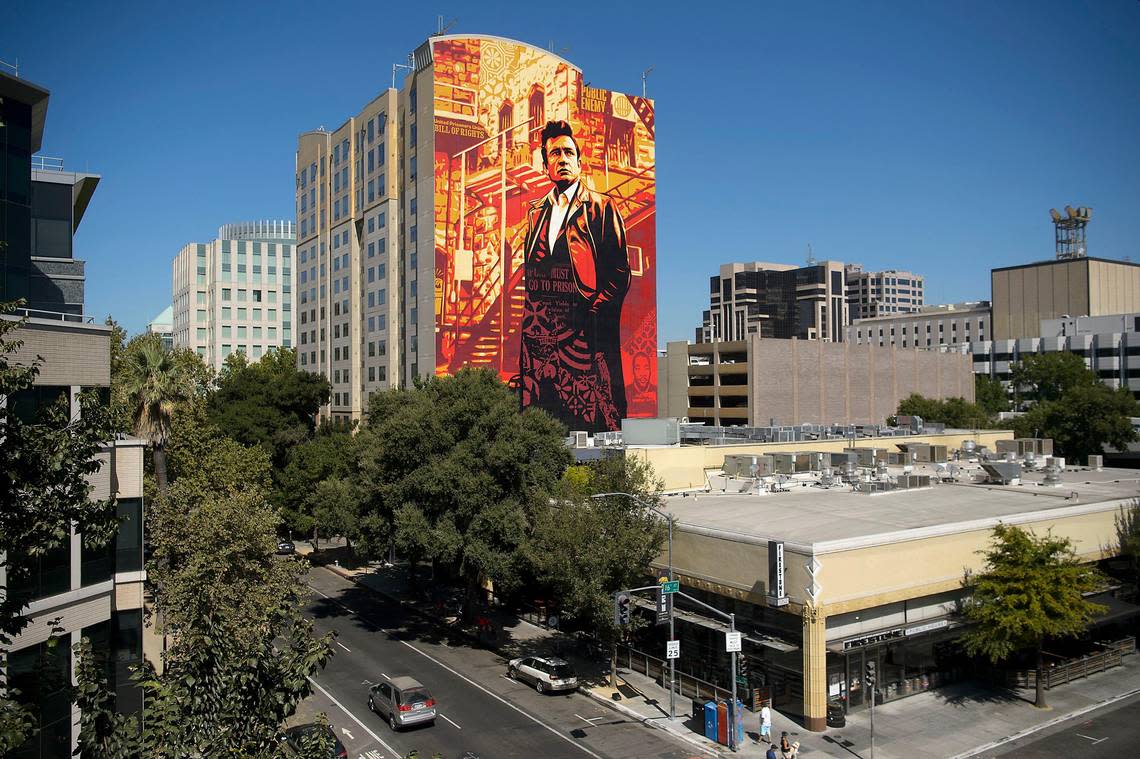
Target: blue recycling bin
{"type": "Point", "coordinates": [738, 723]}
{"type": "Point", "coordinates": [710, 720]}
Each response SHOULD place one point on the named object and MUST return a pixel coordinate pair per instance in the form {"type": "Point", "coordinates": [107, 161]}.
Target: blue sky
{"type": "Point", "coordinates": [920, 135]}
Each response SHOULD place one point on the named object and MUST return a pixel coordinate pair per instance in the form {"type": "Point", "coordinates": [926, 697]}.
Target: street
{"type": "Point", "coordinates": [481, 713]}
{"type": "Point", "coordinates": [1112, 731]}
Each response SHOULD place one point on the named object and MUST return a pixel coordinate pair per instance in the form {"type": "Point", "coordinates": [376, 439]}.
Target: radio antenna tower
{"type": "Point", "coordinates": [1069, 231]}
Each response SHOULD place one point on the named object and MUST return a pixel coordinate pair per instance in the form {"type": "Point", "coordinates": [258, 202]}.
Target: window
{"type": "Point", "coordinates": [226, 331]}
{"type": "Point", "coordinates": [226, 312]}
{"type": "Point", "coordinates": [272, 315]}
{"type": "Point", "coordinates": [242, 294]}
{"type": "Point", "coordinates": [226, 293]}
{"type": "Point", "coordinates": [201, 298]}
{"type": "Point", "coordinates": [257, 314]}
{"type": "Point", "coordinates": [257, 296]}
{"type": "Point", "coordinates": [241, 332]}
{"type": "Point", "coordinates": [241, 314]}
{"type": "Point", "coordinates": [201, 314]}
{"type": "Point", "coordinates": [201, 333]}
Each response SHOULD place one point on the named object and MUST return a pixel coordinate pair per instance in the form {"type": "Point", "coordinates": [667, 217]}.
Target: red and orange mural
{"type": "Point", "coordinates": [545, 233]}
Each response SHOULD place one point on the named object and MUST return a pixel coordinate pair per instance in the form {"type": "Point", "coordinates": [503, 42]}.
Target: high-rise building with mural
{"type": "Point", "coordinates": [528, 247]}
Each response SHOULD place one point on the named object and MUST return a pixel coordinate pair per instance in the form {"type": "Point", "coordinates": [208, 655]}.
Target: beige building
{"type": "Point", "coordinates": [753, 382]}
{"type": "Point", "coordinates": [1024, 296]}
{"type": "Point", "coordinates": [354, 324]}
{"type": "Point", "coordinates": [872, 571]}
{"type": "Point", "coordinates": [953, 325]}
{"type": "Point", "coordinates": [234, 293]}
{"type": "Point", "coordinates": [883, 293]}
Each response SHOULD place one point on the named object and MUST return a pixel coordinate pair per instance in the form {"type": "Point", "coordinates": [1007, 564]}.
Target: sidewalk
{"type": "Point", "coordinates": [960, 720]}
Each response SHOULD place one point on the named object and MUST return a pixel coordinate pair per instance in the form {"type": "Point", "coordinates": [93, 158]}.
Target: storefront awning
{"type": "Point", "coordinates": [694, 618]}
{"type": "Point", "coordinates": [1117, 610]}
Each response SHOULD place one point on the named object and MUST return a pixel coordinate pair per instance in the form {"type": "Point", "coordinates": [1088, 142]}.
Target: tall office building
{"type": "Point", "coordinates": [163, 326]}
{"type": "Point", "coordinates": [414, 252]}
{"type": "Point", "coordinates": [882, 293]}
{"type": "Point", "coordinates": [235, 293]}
{"type": "Point", "coordinates": [72, 591]}
{"type": "Point", "coordinates": [776, 300]}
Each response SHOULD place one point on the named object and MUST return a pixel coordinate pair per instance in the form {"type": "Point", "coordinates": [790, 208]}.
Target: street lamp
{"type": "Point", "coordinates": [669, 521]}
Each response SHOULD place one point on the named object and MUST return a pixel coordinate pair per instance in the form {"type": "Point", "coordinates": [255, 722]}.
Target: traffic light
{"type": "Point", "coordinates": [870, 674]}
{"type": "Point", "coordinates": [742, 665]}
{"type": "Point", "coordinates": [622, 608]}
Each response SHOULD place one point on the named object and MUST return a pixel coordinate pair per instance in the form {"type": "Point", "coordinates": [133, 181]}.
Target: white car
{"type": "Point", "coordinates": [548, 673]}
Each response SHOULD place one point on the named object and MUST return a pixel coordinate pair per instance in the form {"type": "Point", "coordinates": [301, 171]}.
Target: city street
{"type": "Point", "coordinates": [1112, 731]}
{"type": "Point", "coordinates": [481, 713]}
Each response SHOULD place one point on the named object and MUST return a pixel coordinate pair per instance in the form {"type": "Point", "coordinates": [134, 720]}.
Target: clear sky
{"type": "Point", "coordinates": [929, 136]}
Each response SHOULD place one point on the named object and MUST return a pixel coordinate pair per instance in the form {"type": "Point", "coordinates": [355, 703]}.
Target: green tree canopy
{"type": "Point", "coordinates": [1032, 588]}
{"type": "Point", "coordinates": [452, 471]}
{"type": "Point", "coordinates": [585, 549]}
{"type": "Point", "coordinates": [1083, 421]}
{"type": "Point", "coordinates": [990, 395]}
{"type": "Point", "coordinates": [269, 403]}
{"type": "Point", "coordinates": [1048, 376]}
{"type": "Point", "coordinates": [240, 651]}
{"type": "Point", "coordinates": [956, 413]}
{"type": "Point", "coordinates": [329, 456]}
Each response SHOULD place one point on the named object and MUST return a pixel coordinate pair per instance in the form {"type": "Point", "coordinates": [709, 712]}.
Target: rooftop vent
{"type": "Point", "coordinates": [1002, 472]}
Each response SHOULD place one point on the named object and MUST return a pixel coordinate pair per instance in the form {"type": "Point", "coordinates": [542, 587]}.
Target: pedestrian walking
{"type": "Point", "coordinates": [766, 722]}
{"type": "Point", "coordinates": [789, 749]}
{"type": "Point", "coordinates": [771, 754]}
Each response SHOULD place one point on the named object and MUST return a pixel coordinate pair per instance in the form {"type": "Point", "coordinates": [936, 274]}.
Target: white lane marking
{"type": "Point", "coordinates": [355, 719]}
{"type": "Point", "coordinates": [322, 595]}
{"type": "Point", "coordinates": [346, 648]}
{"type": "Point", "coordinates": [591, 720]}
{"type": "Point", "coordinates": [350, 735]}
{"type": "Point", "coordinates": [467, 679]}
{"type": "Point", "coordinates": [457, 727]}
{"type": "Point", "coordinates": [1090, 738]}
{"type": "Point", "coordinates": [502, 700]}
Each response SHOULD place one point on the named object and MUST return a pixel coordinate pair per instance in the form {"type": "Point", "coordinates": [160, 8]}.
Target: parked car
{"type": "Point", "coordinates": [547, 673]}
{"type": "Point", "coordinates": [294, 737]}
{"type": "Point", "coordinates": [285, 547]}
{"type": "Point", "coordinates": [403, 701]}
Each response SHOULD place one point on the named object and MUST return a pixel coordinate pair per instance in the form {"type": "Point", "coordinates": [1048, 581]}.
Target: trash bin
{"type": "Point", "coordinates": [710, 720]}
{"type": "Point", "coordinates": [835, 715]}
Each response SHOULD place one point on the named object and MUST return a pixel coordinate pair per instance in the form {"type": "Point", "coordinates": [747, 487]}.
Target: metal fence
{"type": "Point", "coordinates": [658, 669]}
{"type": "Point", "coordinates": [1073, 669]}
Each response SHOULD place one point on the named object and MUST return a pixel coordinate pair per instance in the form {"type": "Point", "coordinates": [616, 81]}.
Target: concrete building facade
{"type": "Point", "coordinates": [776, 300]}
{"type": "Point", "coordinates": [883, 293]}
{"type": "Point", "coordinates": [1024, 296]}
{"type": "Point", "coordinates": [235, 293]}
{"type": "Point", "coordinates": [933, 327]}
{"type": "Point", "coordinates": [72, 591]}
{"type": "Point", "coordinates": [755, 381]}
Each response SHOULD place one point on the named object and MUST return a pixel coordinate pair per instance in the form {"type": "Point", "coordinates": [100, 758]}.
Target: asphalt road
{"type": "Point", "coordinates": [1113, 731]}
{"type": "Point", "coordinates": [481, 713]}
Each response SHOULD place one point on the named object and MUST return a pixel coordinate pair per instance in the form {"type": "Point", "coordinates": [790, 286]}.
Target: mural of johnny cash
{"type": "Point", "coordinates": [576, 274]}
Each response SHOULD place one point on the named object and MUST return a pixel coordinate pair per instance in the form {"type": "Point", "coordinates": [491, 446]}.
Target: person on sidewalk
{"type": "Point", "coordinates": [788, 749]}
{"type": "Point", "coordinates": [771, 754]}
{"type": "Point", "coordinates": [766, 722]}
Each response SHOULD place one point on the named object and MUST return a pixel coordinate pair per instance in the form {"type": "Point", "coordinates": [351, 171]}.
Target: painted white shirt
{"type": "Point", "coordinates": [765, 716]}
{"type": "Point", "coordinates": [560, 206]}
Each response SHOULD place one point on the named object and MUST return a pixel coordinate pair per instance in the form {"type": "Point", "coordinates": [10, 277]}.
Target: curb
{"type": "Point", "coordinates": [700, 743]}
{"type": "Point", "coordinates": [1046, 724]}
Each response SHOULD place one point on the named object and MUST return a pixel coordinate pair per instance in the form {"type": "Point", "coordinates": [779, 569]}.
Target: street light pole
{"type": "Point", "coordinates": [669, 521]}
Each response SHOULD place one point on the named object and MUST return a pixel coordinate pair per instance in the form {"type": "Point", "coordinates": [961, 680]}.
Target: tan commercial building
{"type": "Point", "coordinates": [234, 293]}
{"type": "Point", "coordinates": [883, 293]}
{"type": "Point", "coordinates": [1024, 296]}
{"type": "Point", "coordinates": [872, 568]}
{"type": "Point", "coordinates": [757, 381]}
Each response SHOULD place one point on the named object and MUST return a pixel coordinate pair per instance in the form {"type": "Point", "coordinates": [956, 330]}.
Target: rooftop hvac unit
{"type": "Point", "coordinates": [581, 439]}
{"type": "Point", "coordinates": [912, 481]}
{"type": "Point", "coordinates": [1096, 462]}
{"type": "Point", "coordinates": [1052, 477]}
{"type": "Point", "coordinates": [1002, 472]}
{"type": "Point", "coordinates": [826, 478]}
{"type": "Point", "coordinates": [969, 446]}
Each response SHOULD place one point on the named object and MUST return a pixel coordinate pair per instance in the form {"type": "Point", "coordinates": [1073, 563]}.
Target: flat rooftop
{"type": "Point", "coordinates": [837, 518]}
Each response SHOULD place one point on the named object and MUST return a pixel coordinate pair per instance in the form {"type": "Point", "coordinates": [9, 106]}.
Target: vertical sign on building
{"type": "Point", "coordinates": [567, 316]}
{"type": "Point", "coordinates": [776, 594]}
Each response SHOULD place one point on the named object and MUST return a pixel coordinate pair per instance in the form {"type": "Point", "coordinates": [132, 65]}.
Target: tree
{"type": "Point", "coordinates": [269, 403]}
{"type": "Point", "coordinates": [990, 395]}
{"type": "Point", "coordinates": [330, 455]}
{"type": "Point", "coordinates": [452, 471]}
{"type": "Point", "coordinates": [1083, 421]}
{"type": "Point", "coordinates": [956, 413]}
{"type": "Point", "coordinates": [48, 460]}
{"type": "Point", "coordinates": [1032, 588]}
{"type": "Point", "coordinates": [153, 381]}
{"type": "Point", "coordinates": [585, 549]}
{"type": "Point", "coordinates": [1048, 376]}
{"type": "Point", "coordinates": [240, 651]}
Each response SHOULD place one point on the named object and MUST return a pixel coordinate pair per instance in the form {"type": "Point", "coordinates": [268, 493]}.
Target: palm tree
{"type": "Point", "coordinates": [154, 384]}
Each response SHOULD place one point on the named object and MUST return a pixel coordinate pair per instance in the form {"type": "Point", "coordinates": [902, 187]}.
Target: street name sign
{"type": "Point", "coordinates": [673, 586]}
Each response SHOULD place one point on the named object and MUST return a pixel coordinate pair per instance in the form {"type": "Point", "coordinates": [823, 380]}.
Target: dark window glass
{"type": "Point", "coordinates": [128, 542]}
{"type": "Point", "coordinates": [42, 674]}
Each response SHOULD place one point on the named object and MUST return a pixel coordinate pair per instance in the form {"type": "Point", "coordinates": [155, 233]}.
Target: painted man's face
{"type": "Point", "coordinates": [641, 372]}
{"type": "Point", "coordinates": [562, 161]}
